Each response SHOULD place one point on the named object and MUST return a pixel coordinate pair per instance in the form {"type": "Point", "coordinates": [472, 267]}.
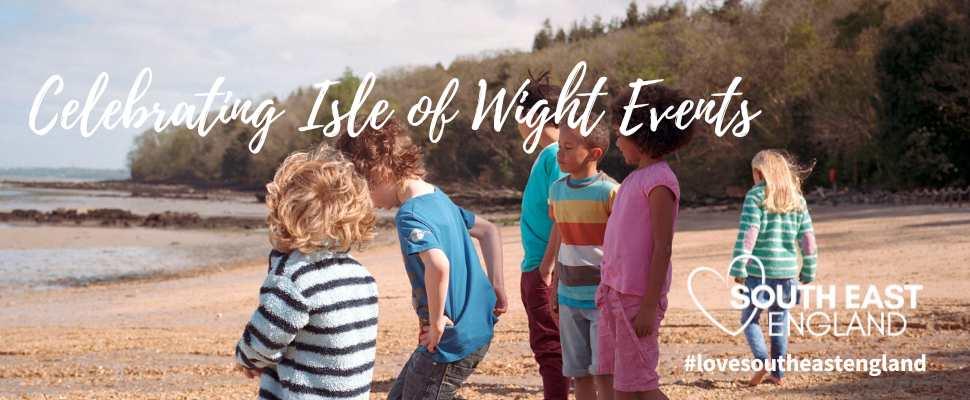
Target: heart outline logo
{"type": "Point", "coordinates": [697, 303]}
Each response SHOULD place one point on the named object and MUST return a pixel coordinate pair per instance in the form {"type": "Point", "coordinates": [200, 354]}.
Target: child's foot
{"type": "Point", "coordinates": [774, 380]}
{"type": "Point", "coordinates": [758, 378]}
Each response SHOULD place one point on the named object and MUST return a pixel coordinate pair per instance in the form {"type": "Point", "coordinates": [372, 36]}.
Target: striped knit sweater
{"type": "Point", "coordinates": [775, 239]}
{"type": "Point", "coordinates": [314, 333]}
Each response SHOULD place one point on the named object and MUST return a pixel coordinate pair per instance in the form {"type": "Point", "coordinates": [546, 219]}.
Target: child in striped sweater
{"type": "Point", "coordinates": [775, 225]}
{"type": "Point", "coordinates": [314, 333]}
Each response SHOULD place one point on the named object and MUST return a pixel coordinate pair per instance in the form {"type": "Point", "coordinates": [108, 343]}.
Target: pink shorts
{"type": "Point", "coordinates": [630, 359]}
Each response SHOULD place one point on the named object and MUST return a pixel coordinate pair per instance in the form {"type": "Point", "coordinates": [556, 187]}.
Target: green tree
{"type": "Point", "coordinates": [632, 15]}
{"type": "Point", "coordinates": [236, 160]}
{"type": "Point", "coordinates": [924, 83]}
{"type": "Point", "coordinates": [560, 36]}
{"type": "Point", "coordinates": [543, 38]}
{"type": "Point", "coordinates": [596, 28]}
{"type": "Point", "coordinates": [870, 15]}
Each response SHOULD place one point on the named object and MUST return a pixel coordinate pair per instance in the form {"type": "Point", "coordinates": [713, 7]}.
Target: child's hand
{"type": "Point", "coordinates": [250, 373]}
{"type": "Point", "coordinates": [644, 324]}
{"type": "Point", "coordinates": [546, 277]}
{"type": "Point", "coordinates": [501, 302]}
{"type": "Point", "coordinates": [431, 334]}
{"type": "Point", "coordinates": [739, 280]}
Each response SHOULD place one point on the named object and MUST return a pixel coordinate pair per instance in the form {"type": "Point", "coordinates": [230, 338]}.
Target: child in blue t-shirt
{"type": "Point", "coordinates": [456, 302]}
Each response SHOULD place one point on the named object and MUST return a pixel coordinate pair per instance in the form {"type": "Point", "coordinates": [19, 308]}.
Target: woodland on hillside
{"type": "Point", "coordinates": [876, 93]}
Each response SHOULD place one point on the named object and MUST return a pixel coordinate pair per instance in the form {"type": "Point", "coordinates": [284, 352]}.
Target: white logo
{"type": "Point", "coordinates": [416, 235]}
{"type": "Point", "coordinates": [690, 289]}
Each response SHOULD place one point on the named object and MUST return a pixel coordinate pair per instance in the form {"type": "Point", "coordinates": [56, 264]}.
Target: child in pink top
{"type": "Point", "coordinates": [632, 296]}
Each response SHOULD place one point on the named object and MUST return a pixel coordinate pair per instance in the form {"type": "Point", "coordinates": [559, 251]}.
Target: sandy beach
{"type": "Point", "coordinates": [149, 150]}
{"type": "Point", "coordinates": [171, 337]}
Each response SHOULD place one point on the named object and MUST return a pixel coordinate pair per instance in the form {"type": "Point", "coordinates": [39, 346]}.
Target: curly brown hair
{"type": "Point", "coordinates": [668, 137]}
{"type": "Point", "coordinates": [383, 155]}
{"type": "Point", "coordinates": [540, 89]}
{"type": "Point", "coordinates": [318, 202]}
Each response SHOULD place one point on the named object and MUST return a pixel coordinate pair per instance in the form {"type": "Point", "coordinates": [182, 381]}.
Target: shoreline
{"type": "Point", "coordinates": [28, 235]}
{"type": "Point", "coordinates": [137, 189]}
{"type": "Point", "coordinates": [43, 257]}
{"type": "Point", "coordinates": [116, 217]}
{"type": "Point", "coordinates": [88, 256]}
{"type": "Point", "coordinates": [500, 204]}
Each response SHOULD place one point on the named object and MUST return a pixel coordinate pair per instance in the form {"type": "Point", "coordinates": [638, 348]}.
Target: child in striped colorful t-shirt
{"type": "Point", "coordinates": [580, 204]}
{"type": "Point", "coordinates": [775, 226]}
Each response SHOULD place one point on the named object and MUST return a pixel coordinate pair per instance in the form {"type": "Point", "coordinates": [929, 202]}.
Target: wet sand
{"type": "Point", "coordinates": [39, 257]}
{"type": "Point", "coordinates": [172, 338]}
{"type": "Point", "coordinates": [13, 196]}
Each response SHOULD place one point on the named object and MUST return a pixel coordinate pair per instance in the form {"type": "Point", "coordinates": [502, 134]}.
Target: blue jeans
{"type": "Point", "coordinates": [785, 292]}
{"type": "Point", "coordinates": [422, 378]}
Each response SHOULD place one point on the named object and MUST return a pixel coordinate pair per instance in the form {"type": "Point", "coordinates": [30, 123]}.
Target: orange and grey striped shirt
{"type": "Point", "coordinates": [580, 209]}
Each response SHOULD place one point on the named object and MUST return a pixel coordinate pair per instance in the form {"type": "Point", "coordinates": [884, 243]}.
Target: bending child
{"type": "Point", "coordinates": [457, 304]}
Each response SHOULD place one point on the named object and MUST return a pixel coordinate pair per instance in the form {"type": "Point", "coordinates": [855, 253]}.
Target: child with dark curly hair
{"type": "Point", "coordinates": [632, 295]}
{"type": "Point", "coordinates": [457, 304]}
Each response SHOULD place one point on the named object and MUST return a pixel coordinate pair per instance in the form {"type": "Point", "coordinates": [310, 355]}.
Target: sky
{"type": "Point", "coordinates": [261, 48]}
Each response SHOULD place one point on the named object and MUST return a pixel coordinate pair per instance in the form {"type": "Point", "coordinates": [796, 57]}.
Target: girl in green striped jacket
{"type": "Point", "coordinates": [775, 231]}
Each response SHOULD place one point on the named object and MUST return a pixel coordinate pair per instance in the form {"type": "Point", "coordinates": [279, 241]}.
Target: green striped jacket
{"type": "Point", "coordinates": [775, 239]}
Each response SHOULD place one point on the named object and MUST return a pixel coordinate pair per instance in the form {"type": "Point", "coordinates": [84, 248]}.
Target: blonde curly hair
{"type": "Point", "coordinates": [318, 202]}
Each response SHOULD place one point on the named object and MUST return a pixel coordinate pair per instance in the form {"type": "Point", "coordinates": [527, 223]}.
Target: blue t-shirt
{"type": "Point", "coordinates": [433, 221]}
{"type": "Point", "coordinates": [534, 221]}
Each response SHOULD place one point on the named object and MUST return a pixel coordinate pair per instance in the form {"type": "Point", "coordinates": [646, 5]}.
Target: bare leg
{"type": "Point", "coordinates": [626, 395]}
{"type": "Point", "coordinates": [607, 383]}
{"type": "Point", "coordinates": [655, 394]}
{"type": "Point", "coordinates": [604, 387]}
{"type": "Point", "coordinates": [585, 388]}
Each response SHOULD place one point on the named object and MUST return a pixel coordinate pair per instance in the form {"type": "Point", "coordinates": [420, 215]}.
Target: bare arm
{"type": "Point", "coordinates": [548, 264]}
{"type": "Point", "coordinates": [436, 273]}
{"type": "Point", "coordinates": [661, 202]}
{"type": "Point", "coordinates": [554, 291]}
{"type": "Point", "coordinates": [490, 238]}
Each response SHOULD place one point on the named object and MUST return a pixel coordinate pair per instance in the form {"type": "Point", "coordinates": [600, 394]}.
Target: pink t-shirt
{"type": "Point", "coordinates": [628, 244]}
